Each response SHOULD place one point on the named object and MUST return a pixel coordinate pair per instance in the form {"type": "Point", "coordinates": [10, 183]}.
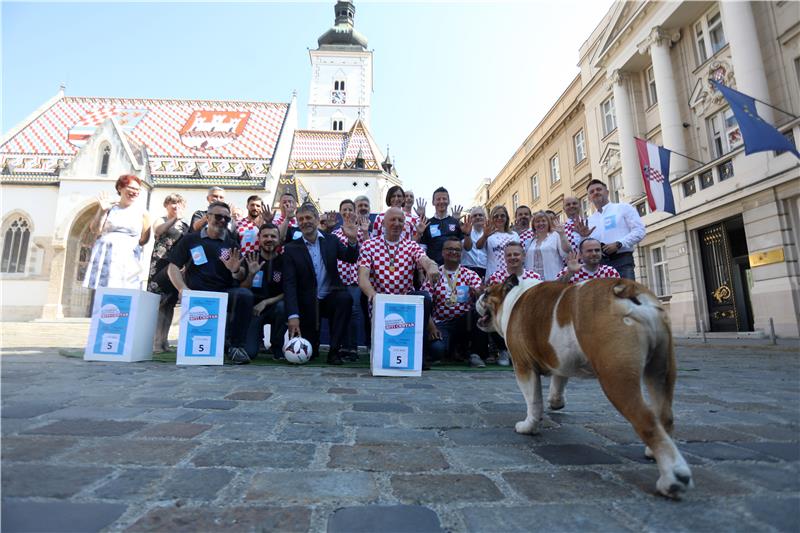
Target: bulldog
{"type": "Point", "coordinates": [611, 329]}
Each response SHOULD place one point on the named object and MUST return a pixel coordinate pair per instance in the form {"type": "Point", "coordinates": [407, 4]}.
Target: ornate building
{"type": "Point", "coordinates": [728, 261]}
{"type": "Point", "coordinates": [55, 163]}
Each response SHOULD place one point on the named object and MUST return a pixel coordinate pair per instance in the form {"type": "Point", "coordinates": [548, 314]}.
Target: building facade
{"type": "Point", "coordinates": [55, 163]}
{"type": "Point", "coordinates": [728, 260]}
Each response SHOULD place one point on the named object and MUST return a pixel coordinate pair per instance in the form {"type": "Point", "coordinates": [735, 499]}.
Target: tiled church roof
{"type": "Point", "coordinates": [334, 150]}
{"type": "Point", "coordinates": [182, 138]}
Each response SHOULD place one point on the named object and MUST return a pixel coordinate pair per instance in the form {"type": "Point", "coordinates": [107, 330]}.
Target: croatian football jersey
{"type": "Point", "coordinates": [603, 271]}
{"type": "Point", "coordinates": [501, 275]}
{"type": "Point", "coordinates": [278, 220]}
{"type": "Point", "coordinates": [348, 272]}
{"type": "Point", "coordinates": [573, 236]}
{"type": "Point", "coordinates": [451, 297]}
{"type": "Point", "coordinates": [391, 265]}
{"type": "Point", "coordinates": [525, 237]}
{"type": "Point", "coordinates": [247, 232]}
{"type": "Point", "coordinates": [409, 229]}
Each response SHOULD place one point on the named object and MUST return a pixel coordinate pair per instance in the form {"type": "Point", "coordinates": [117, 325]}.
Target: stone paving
{"type": "Point", "coordinates": [151, 446]}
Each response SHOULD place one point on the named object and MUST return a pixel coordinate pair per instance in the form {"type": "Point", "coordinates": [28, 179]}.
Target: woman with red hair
{"type": "Point", "coordinates": [123, 227]}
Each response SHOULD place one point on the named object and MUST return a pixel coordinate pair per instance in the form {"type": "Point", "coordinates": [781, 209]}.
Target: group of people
{"type": "Point", "coordinates": [294, 267]}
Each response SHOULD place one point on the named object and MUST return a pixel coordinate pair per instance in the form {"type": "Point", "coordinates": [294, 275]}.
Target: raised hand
{"type": "Point", "coordinates": [267, 215]}
{"type": "Point", "coordinates": [422, 224]}
{"type": "Point", "coordinates": [254, 262]}
{"type": "Point", "coordinates": [457, 211]}
{"type": "Point", "coordinates": [573, 264]}
{"type": "Point", "coordinates": [362, 222]}
{"type": "Point", "coordinates": [582, 227]}
{"type": "Point", "coordinates": [556, 225]}
{"type": "Point", "coordinates": [466, 226]}
{"type": "Point", "coordinates": [349, 228]}
{"type": "Point", "coordinates": [420, 208]}
{"type": "Point", "coordinates": [234, 260]}
{"type": "Point", "coordinates": [105, 201]}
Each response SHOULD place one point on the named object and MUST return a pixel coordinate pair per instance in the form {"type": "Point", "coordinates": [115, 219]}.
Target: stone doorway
{"type": "Point", "coordinates": [76, 301]}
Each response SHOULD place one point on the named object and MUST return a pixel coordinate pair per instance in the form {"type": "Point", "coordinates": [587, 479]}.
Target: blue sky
{"type": "Point", "coordinates": [457, 86]}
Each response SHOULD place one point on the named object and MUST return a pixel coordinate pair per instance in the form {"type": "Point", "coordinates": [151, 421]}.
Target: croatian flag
{"type": "Point", "coordinates": [654, 161]}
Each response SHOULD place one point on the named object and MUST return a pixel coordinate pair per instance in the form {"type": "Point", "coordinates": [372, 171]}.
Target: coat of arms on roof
{"type": "Point", "coordinates": [207, 130]}
{"type": "Point", "coordinates": [127, 119]}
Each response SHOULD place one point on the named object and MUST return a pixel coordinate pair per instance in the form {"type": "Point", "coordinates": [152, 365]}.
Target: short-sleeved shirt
{"type": "Point", "coordinates": [247, 232]}
{"type": "Point", "coordinates": [391, 265]}
{"type": "Point", "coordinates": [202, 257]}
{"type": "Point", "coordinates": [268, 281]}
{"type": "Point", "coordinates": [409, 228]}
{"type": "Point", "coordinates": [501, 275]}
{"type": "Point", "coordinates": [525, 238]}
{"type": "Point", "coordinates": [603, 271]}
{"type": "Point", "coordinates": [496, 251]}
{"type": "Point", "coordinates": [278, 220]}
{"type": "Point", "coordinates": [446, 305]}
{"type": "Point", "coordinates": [573, 236]}
{"type": "Point", "coordinates": [436, 232]}
{"type": "Point", "coordinates": [348, 272]}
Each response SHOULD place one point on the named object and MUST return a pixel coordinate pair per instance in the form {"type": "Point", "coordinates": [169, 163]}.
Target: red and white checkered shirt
{"type": "Point", "coordinates": [389, 277]}
{"type": "Point", "coordinates": [348, 272]}
{"type": "Point", "coordinates": [243, 226]}
{"type": "Point", "coordinates": [573, 236]}
{"type": "Point", "coordinates": [278, 219]}
{"type": "Point", "coordinates": [409, 229]}
{"type": "Point", "coordinates": [603, 271]}
{"type": "Point", "coordinates": [525, 238]}
{"type": "Point", "coordinates": [443, 306]}
{"type": "Point", "coordinates": [501, 275]}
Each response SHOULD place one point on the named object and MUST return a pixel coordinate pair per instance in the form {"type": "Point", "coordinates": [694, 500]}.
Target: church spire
{"type": "Point", "coordinates": [343, 34]}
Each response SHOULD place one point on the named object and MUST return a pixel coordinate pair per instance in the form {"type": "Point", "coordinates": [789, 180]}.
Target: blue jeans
{"type": "Point", "coordinates": [454, 331]}
{"type": "Point", "coordinates": [623, 262]}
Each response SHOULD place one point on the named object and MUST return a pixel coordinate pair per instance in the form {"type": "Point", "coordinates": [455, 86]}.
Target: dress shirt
{"type": "Point", "coordinates": [618, 222]}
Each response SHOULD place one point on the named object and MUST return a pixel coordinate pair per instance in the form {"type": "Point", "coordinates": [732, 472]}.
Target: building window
{"type": "Point", "coordinates": [642, 209]}
{"type": "Point", "coordinates": [555, 170]}
{"type": "Point", "coordinates": [338, 85]}
{"type": "Point", "coordinates": [659, 271]}
{"type": "Point", "coordinates": [609, 116]}
{"type": "Point", "coordinates": [585, 206]}
{"type": "Point", "coordinates": [689, 188]}
{"type": "Point", "coordinates": [723, 131]}
{"type": "Point", "coordinates": [15, 246]}
{"type": "Point", "coordinates": [104, 158]}
{"type": "Point", "coordinates": [707, 179]}
{"type": "Point", "coordinates": [580, 147]}
{"type": "Point", "coordinates": [650, 90]}
{"type": "Point", "coordinates": [535, 187]}
{"type": "Point", "coordinates": [515, 200]}
{"type": "Point", "coordinates": [614, 187]}
{"type": "Point", "coordinates": [709, 37]}
{"type": "Point", "coordinates": [338, 125]}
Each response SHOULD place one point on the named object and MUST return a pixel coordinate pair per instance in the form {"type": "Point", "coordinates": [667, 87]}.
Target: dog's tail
{"type": "Point", "coordinates": [642, 306]}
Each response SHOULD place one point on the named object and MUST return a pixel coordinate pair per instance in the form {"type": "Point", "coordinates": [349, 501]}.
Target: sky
{"type": "Point", "coordinates": [458, 86]}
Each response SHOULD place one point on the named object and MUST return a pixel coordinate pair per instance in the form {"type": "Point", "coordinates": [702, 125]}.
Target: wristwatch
{"type": "Point", "coordinates": [619, 245]}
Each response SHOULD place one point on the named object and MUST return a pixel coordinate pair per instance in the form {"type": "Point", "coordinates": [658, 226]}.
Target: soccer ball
{"type": "Point", "coordinates": [297, 350]}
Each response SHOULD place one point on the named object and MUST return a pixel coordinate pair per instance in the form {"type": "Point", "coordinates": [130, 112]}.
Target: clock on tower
{"type": "Point", "coordinates": [338, 97]}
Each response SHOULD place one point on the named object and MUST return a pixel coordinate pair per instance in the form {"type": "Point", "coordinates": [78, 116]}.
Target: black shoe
{"type": "Point", "coordinates": [349, 356]}
{"type": "Point", "coordinates": [335, 360]}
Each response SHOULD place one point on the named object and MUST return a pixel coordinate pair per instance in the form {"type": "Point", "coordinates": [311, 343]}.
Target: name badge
{"type": "Point", "coordinates": [436, 231]}
{"type": "Point", "coordinates": [462, 294]}
{"type": "Point", "coordinates": [199, 256]}
{"type": "Point", "coordinates": [258, 279]}
{"type": "Point", "coordinates": [610, 222]}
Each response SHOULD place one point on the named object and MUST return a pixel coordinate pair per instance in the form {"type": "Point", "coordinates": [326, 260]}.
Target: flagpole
{"type": "Point", "coordinates": [761, 101]}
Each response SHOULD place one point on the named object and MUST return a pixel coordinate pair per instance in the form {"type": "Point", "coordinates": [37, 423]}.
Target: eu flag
{"type": "Point", "coordinates": [758, 136]}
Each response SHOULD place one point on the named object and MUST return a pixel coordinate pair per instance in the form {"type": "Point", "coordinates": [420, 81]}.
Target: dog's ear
{"type": "Point", "coordinates": [511, 282]}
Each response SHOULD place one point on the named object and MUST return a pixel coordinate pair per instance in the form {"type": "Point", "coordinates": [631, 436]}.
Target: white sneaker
{"type": "Point", "coordinates": [503, 358]}
{"type": "Point", "coordinates": [475, 361]}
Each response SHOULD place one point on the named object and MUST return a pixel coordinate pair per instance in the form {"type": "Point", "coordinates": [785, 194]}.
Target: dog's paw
{"type": "Point", "coordinates": [556, 403]}
{"type": "Point", "coordinates": [676, 482]}
{"type": "Point", "coordinates": [649, 453]}
{"type": "Point", "coordinates": [527, 427]}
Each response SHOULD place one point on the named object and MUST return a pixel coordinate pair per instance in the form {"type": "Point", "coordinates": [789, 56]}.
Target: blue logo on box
{"type": "Point", "coordinates": [201, 329]}
{"type": "Point", "coordinates": [399, 329]}
{"type": "Point", "coordinates": [112, 324]}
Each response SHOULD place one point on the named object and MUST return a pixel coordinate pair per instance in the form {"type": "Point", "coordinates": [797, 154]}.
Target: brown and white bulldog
{"type": "Point", "coordinates": [613, 329]}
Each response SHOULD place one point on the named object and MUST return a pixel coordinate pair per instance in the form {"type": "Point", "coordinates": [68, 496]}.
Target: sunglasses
{"type": "Point", "coordinates": [223, 218]}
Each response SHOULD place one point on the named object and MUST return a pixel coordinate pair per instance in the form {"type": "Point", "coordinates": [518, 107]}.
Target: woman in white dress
{"type": "Point", "coordinates": [548, 248]}
{"type": "Point", "coordinates": [123, 228]}
{"type": "Point", "coordinates": [494, 239]}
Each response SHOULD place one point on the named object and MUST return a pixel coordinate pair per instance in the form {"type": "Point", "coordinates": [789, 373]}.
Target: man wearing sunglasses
{"type": "Point", "coordinates": [212, 262]}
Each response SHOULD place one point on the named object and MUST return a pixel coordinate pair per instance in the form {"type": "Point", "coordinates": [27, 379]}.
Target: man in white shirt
{"type": "Point", "coordinates": [617, 226]}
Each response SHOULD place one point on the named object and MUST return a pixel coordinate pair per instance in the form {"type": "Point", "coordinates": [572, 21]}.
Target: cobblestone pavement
{"type": "Point", "coordinates": [151, 446]}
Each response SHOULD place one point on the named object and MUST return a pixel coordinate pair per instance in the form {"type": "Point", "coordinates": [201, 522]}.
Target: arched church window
{"type": "Point", "coordinates": [341, 85]}
{"type": "Point", "coordinates": [338, 125]}
{"type": "Point", "coordinates": [15, 246]}
{"type": "Point", "coordinates": [104, 159]}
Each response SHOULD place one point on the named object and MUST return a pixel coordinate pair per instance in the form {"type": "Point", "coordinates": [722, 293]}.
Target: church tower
{"type": "Point", "coordinates": [341, 75]}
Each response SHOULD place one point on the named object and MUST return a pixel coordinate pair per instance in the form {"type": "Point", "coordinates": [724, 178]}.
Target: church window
{"type": "Point", "coordinates": [15, 246]}
{"type": "Point", "coordinates": [338, 85]}
{"type": "Point", "coordinates": [609, 116]}
{"type": "Point", "coordinates": [104, 159]}
{"type": "Point", "coordinates": [338, 125]}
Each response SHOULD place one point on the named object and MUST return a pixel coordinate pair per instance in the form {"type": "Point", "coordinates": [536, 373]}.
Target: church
{"type": "Point", "coordinates": [55, 163]}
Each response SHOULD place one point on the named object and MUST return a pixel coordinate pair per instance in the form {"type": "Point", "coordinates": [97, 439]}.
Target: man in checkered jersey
{"type": "Point", "coordinates": [572, 209]}
{"type": "Point", "coordinates": [247, 228]}
{"type": "Point", "coordinates": [453, 298]}
{"type": "Point", "coordinates": [386, 265]}
{"type": "Point", "coordinates": [514, 255]}
{"type": "Point", "coordinates": [286, 218]}
{"type": "Point", "coordinates": [591, 253]}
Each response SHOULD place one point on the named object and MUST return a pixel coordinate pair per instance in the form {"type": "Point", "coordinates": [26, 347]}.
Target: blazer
{"type": "Point", "coordinates": [299, 278]}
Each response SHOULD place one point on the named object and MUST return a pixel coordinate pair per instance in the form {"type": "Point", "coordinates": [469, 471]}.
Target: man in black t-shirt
{"type": "Point", "coordinates": [212, 261]}
{"type": "Point", "coordinates": [441, 226]}
{"type": "Point", "coordinates": [264, 277]}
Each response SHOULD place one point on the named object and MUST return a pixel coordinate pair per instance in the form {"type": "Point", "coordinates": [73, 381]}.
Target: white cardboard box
{"type": "Point", "coordinates": [201, 340]}
{"type": "Point", "coordinates": [123, 325]}
{"type": "Point", "coordinates": [397, 331]}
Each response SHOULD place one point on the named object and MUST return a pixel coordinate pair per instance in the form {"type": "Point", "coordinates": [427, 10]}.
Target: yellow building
{"type": "Point", "coordinates": [728, 261]}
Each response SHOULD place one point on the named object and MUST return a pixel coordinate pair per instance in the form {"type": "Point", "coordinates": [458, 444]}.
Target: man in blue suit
{"type": "Point", "coordinates": [312, 287]}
